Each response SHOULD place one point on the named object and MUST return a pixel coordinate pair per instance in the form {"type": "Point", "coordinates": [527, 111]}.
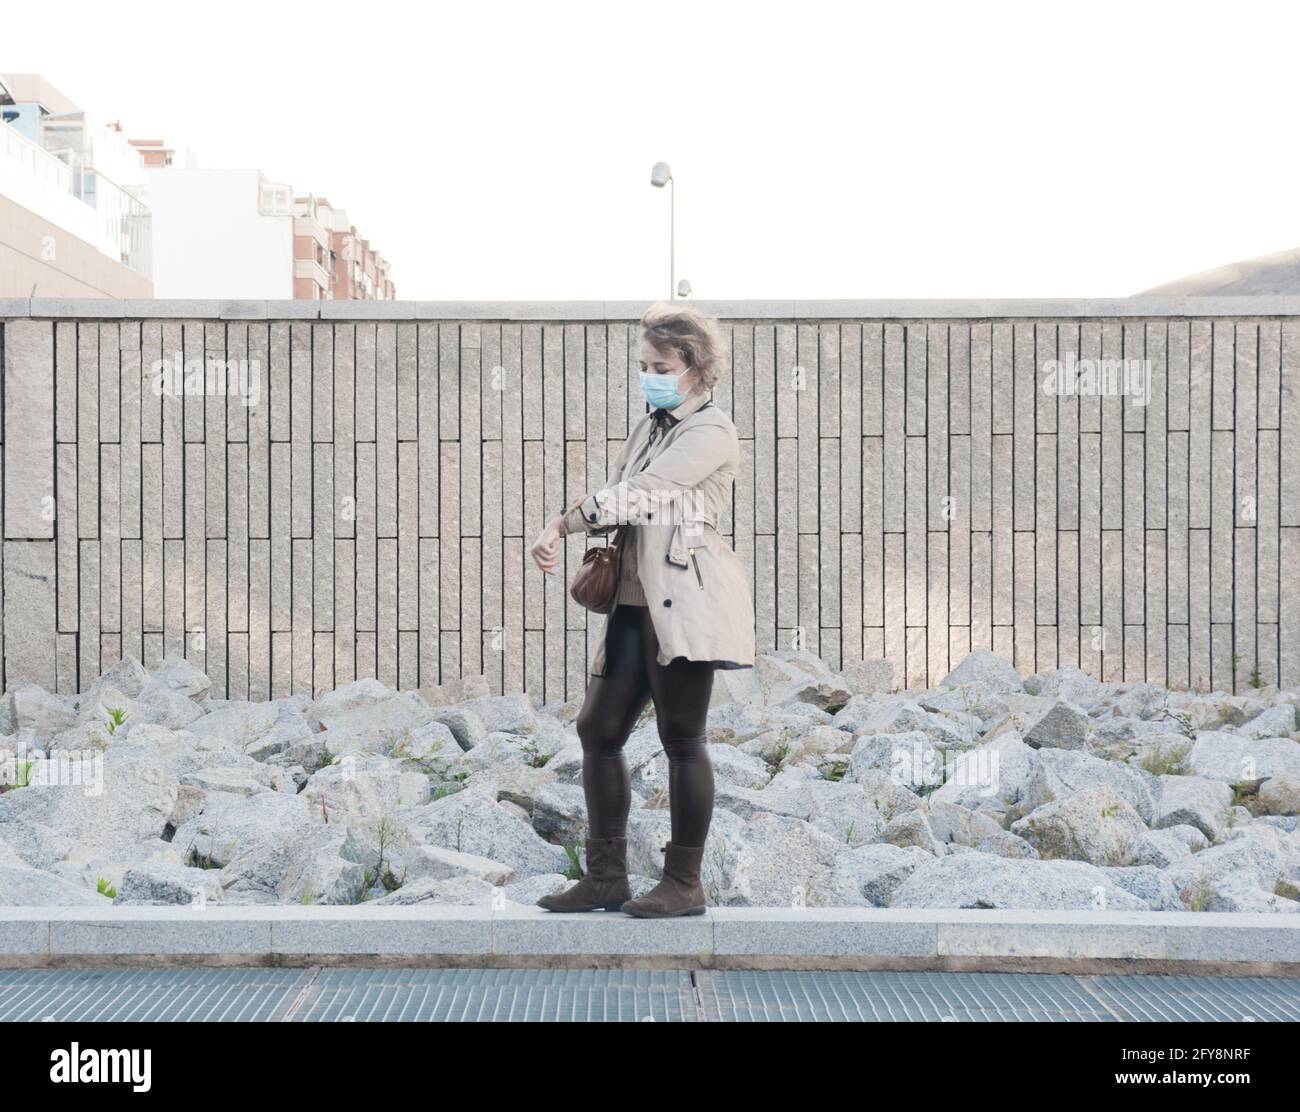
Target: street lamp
{"type": "Point", "coordinates": [660, 176]}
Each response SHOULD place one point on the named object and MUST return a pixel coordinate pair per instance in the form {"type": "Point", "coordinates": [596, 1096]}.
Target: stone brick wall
{"type": "Point", "coordinates": [909, 489]}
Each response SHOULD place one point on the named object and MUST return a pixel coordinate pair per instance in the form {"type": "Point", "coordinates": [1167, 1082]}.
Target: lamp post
{"type": "Point", "coordinates": [660, 176]}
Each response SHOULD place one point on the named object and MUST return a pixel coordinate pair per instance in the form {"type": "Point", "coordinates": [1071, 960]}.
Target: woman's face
{"type": "Point", "coordinates": [656, 362]}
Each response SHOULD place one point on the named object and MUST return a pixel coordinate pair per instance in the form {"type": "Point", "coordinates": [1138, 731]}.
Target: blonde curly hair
{"type": "Point", "coordinates": [699, 340]}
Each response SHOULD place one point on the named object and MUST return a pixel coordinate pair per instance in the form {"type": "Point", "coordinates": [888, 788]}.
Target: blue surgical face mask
{"type": "Point", "coordinates": [661, 390]}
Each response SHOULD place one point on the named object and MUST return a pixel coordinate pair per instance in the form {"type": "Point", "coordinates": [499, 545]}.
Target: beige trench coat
{"type": "Point", "coordinates": [696, 587]}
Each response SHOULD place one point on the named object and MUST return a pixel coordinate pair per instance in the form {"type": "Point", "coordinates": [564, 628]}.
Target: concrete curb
{"type": "Point", "coordinates": [725, 938]}
{"type": "Point", "coordinates": [1281, 305]}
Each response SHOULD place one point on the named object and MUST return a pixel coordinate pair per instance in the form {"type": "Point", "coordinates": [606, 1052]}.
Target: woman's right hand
{"type": "Point", "coordinates": [548, 548]}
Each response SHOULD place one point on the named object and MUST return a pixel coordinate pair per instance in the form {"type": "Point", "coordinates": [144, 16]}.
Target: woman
{"type": "Point", "coordinates": [683, 608]}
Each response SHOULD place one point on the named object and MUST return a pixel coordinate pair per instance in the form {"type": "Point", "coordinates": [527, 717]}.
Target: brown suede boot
{"type": "Point", "coordinates": [605, 884]}
{"type": "Point", "coordinates": [679, 892]}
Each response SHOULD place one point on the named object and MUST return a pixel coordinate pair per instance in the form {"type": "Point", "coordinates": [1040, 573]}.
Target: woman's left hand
{"type": "Point", "coordinates": [547, 549]}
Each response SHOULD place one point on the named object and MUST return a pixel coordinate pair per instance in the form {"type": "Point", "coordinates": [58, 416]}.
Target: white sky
{"type": "Point", "coordinates": [503, 150]}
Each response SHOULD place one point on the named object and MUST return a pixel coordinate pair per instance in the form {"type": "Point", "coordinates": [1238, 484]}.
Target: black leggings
{"type": "Point", "coordinates": [681, 692]}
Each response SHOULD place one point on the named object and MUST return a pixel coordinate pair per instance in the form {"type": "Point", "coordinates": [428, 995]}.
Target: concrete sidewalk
{"type": "Point", "coordinates": [724, 938]}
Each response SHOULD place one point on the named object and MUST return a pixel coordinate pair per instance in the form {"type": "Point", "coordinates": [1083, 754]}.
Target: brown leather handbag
{"type": "Point", "coordinates": [595, 584]}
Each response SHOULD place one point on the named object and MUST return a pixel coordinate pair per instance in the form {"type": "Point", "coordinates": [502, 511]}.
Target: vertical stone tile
{"type": "Point", "coordinates": [322, 663]}
{"type": "Point", "coordinates": [1045, 531]}
{"type": "Point", "coordinates": [1289, 612]}
{"type": "Point", "coordinates": [915, 550]}
{"type": "Point", "coordinates": [895, 417]}
{"type": "Point", "coordinates": [322, 381]}
{"type": "Point", "coordinates": [851, 645]}
{"type": "Point", "coordinates": [408, 660]}
{"type": "Point", "coordinates": [29, 342]}
{"type": "Point", "coordinates": [1156, 442]}
{"type": "Point", "coordinates": [386, 435]}
{"type": "Point", "coordinates": [895, 568]}
{"type": "Point", "coordinates": [938, 483]}
{"type": "Point", "coordinates": [65, 663]}
{"type": "Point", "coordinates": [959, 377]}
{"type": "Point", "coordinates": [1289, 422]}
{"type": "Point", "coordinates": [1221, 526]}
{"type": "Point", "coordinates": [282, 664]}
{"type": "Point", "coordinates": [259, 619]}
{"type": "Point", "coordinates": [981, 427]}
{"type": "Point", "coordinates": [427, 431]}
{"type": "Point", "coordinates": [259, 438]}
{"type": "Point", "coordinates": [959, 534]}
{"type": "Point", "coordinates": [1067, 588]}
{"type": "Point", "coordinates": [1003, 549]}
{"type": "Point", "coordinates": [237, 534]}
{"type": "Point", "coordinates": [65, 541]}
{"type": "Point", "coordinates": [430, 622]}
{"type": "Point", "coordinates": [471, 607]}
{"type": "Point", "coordinates": [87, 434]}
{"type": "Point", "coordinates": [132, 599]}
{"type": "Point", "coordinates": [322, 538]}
{"type": "Point", "coordinates": [408, 381]}
{"type": "Point", "coordinates": [110, 382]}
{"type": "Point", "coordinates": [1112, 605]}
{"type": "Point", "coordinates": [1198, 603]}
{"type": "Point", "coordinates": [1223, 376]}
{"type": "Point", "coordinates": [303, 635]}
{"type": "Point", "coordinates": [386, 611]}
{"type": "Point", "coordinates": [808, 410]}
{"type": "Point", "coordinates": [938, 664]}
{"type": "Point", "coordinates": [300, 444]}
{"type": "Point", "coordinates": [1066, 475]}
{"type": "Point", "coordinates": [873, 531]}
{"type": "Point", "coordinates": [345, 624]}
{"type": "Point", "coordinates": [195, 552]}
{"type": "Point", "coordinates": [237, 672]}
{"type": "Point", "coordinates": [1003, 383]}
{"type": "Point", "coordinates": [29, 617]}
{"type": "Point", "coordinates": [281, 547]}
{"type": "Point", "coordinates": [1023, 406]}
{"type": "Point", "coordinates": [805, 586]}
{"type": "Point", "coordinates": [215, 620]}
{"type": "Point", "coordinates": [1134, 530]}
{"type": "Point", "coordinates": [765, 601]}
{"type": "Point", "coordinates": [1178, 354]}
{"type": "Point", "coordinates": [1269, 581]}
{"type": "Point", "coordinates": [786, 583]}
{"type": "Point", "coordinates": [366, 386]}
{"type": "Point", "coordinates": [1177, 537]}
{"type": "Point", "coordinates": [365, 540]}
{"type": "Point", "coordinates": [408, 538]}
{"type": "Point", "coordinates": [110, 532]}
{"type": "Point", "coordinates": [192, 404]}
{"type": "Point", "coordinates": [1177, 653]}
{"type": "Point", "coordinates": [1222, 676]}
{"type": "Point", "coordinates": [827, 537]}
{"type": "Point", "coordinates": [765, 492]}
{"type": "Point", "coordinates": [151, 545]}
{"type": "Point", "coordinates": [345, 456]}
{"type": "Point", "coordinates": [88, 623]}
{"type": "Point", "coordinates": [1155, 618]}
{"type": "Point", "coordinates": [1025, 631]}
{"type": "Point", "coordinates": [1130, 379]}
{"type": "Point", "coordinates": [1113, 461]}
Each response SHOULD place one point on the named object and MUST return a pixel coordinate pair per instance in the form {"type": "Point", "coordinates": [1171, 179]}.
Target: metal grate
{"type": "Point", "coordinates": [618, 995]}
{"type": "Point", "coordinates": [260, 995]}
{"type": "Point", "coordinates": [895, 997]}
{"type": "Point", "coordinates": [499, 995]}
{"type": "Point", "coordinates": [1199, 998]}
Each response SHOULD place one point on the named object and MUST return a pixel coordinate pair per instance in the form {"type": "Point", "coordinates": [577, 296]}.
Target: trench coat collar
{"type": "Point", "coordinates": [677, 413]}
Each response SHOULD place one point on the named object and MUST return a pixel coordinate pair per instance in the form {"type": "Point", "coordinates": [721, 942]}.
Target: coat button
{"type": "Point", "coordinates": [668, 602]}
